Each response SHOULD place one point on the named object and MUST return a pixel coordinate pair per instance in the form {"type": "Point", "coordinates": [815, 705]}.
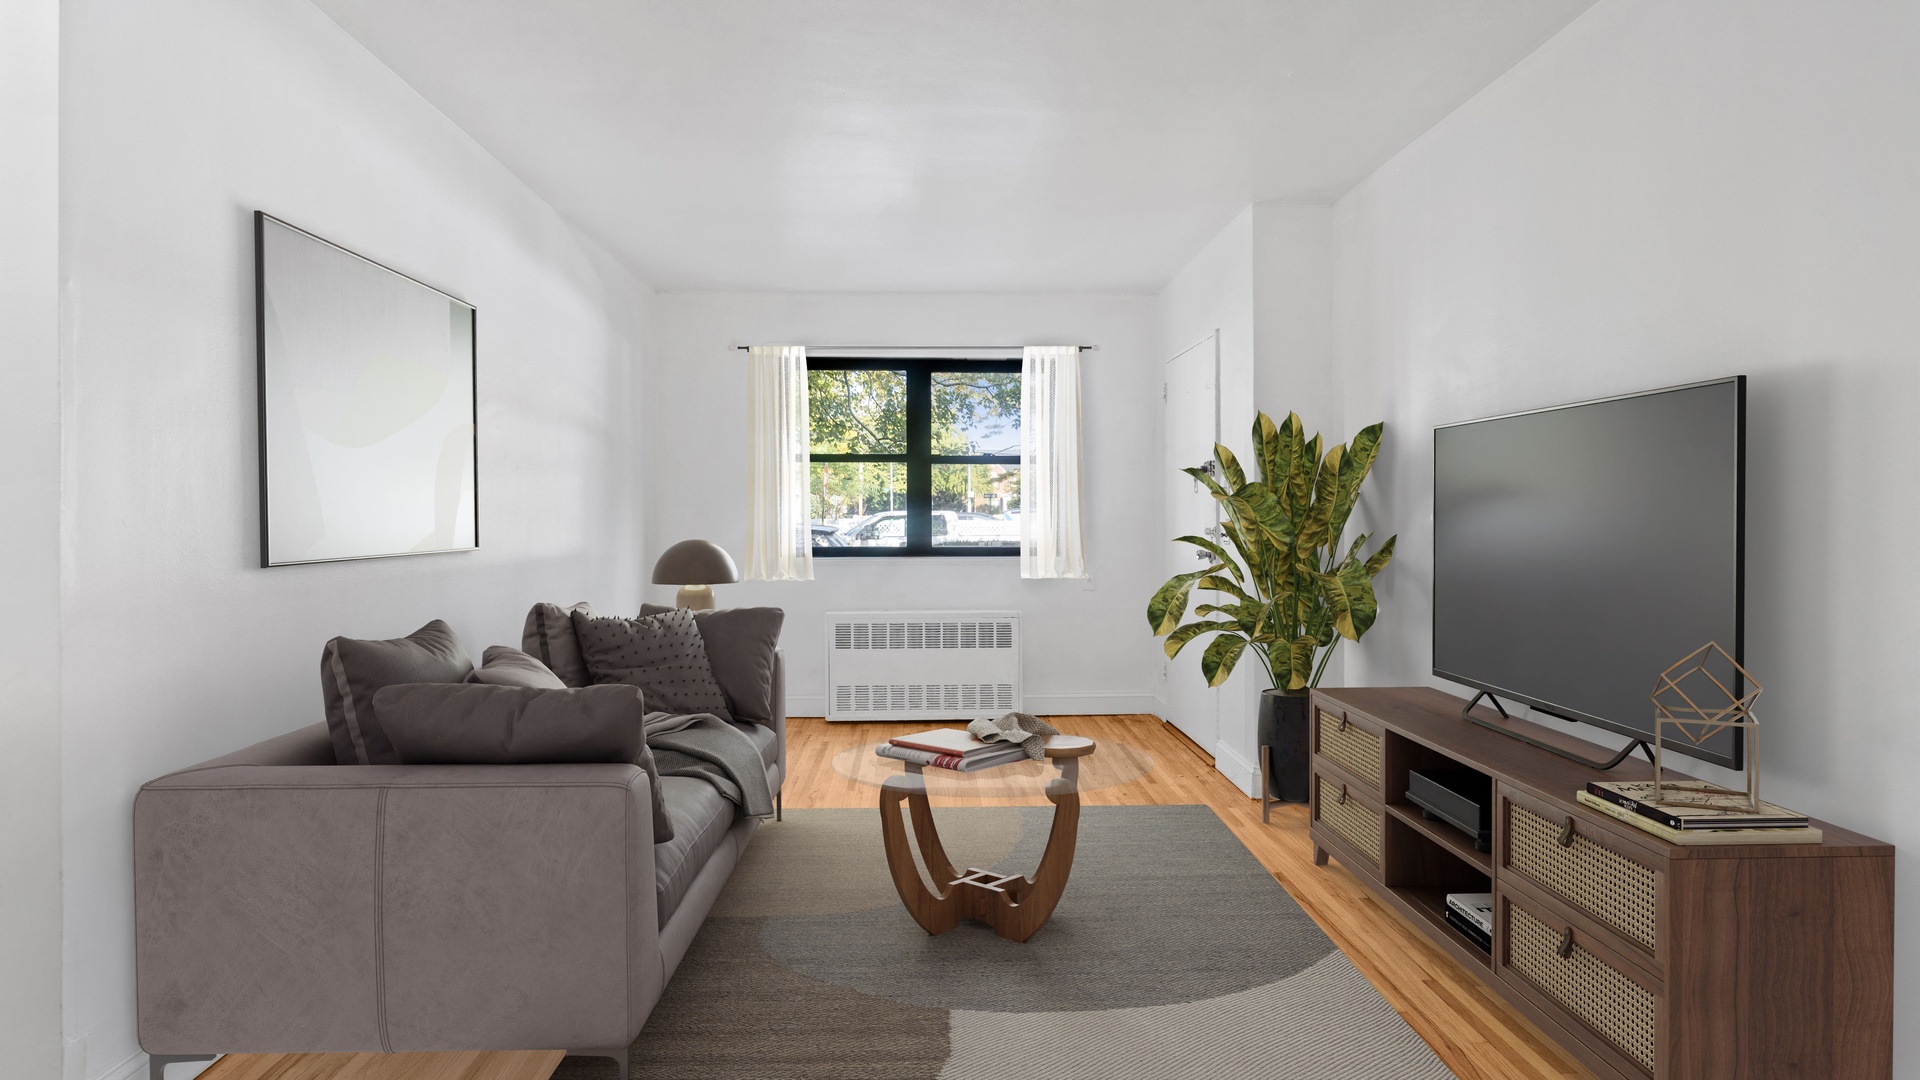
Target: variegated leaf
{"type": "Point", "coordinates": [1217, 662]}
{"type": "Point", "coordinates": [1178, 639]}
{"type": "Point", "coordinates": [1170, 602]}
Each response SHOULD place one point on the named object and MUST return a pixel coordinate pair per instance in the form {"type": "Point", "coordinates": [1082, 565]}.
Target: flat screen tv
{"type": "Point", "coordinates": [1579, 551]}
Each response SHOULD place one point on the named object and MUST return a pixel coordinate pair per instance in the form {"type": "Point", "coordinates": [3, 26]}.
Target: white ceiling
{"type": "Point", "coordinates": [939, 145]}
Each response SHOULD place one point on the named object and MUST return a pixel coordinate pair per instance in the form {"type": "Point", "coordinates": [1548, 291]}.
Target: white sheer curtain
{"type": "Point", "coordinates": [1050, 463]}
{"type": "Point", "coordinates": [779, 536]}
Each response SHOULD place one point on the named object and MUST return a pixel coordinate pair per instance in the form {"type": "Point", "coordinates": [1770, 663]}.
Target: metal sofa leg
{"type": "Point", "coordinates": [157, 1063]}
{"type": "Point", "coordinates": [622, 1058]}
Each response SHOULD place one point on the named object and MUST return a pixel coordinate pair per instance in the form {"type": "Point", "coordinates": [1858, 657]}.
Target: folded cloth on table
{"type": "Point", "coordinates": [1015, 727]}
{"type": "Point", "coordinates": [705, 746]}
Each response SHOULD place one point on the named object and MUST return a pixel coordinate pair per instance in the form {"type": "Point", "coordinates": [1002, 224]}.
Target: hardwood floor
{"type": "Point", "coordinates": [1141, 761]}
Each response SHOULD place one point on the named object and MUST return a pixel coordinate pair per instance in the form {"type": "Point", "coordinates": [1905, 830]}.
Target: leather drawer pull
{"type": "Point", "coordinates": [1343, 794]}
{"type": "Point", "coordinates": [1566, 834]}
{"type": "Point", "coordinates": [1344, 725]}
{"type": "Point", "coordinates": [1566, 943]}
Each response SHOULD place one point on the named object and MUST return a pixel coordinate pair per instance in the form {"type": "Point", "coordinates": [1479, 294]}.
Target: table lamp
{"type": "Point", "coordinates": [696, 566]}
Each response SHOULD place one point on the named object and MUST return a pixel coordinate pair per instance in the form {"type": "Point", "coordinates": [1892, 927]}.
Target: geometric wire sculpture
{"type": "Point", "coordinates": [1690, 698]}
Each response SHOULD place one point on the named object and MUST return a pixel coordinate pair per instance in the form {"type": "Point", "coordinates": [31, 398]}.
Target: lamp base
{"type": "Point", "coordinates": [694, 597]}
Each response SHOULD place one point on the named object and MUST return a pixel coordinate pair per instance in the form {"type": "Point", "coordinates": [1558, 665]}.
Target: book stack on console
{"type": "Point", "coordinates": [1471, 913]}
{"type": "Point", "coordinates": [1727, 823]}
{"type": "Point", "coordinates": [950, 748]}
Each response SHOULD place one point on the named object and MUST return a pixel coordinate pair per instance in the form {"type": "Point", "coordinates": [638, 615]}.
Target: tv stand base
{"type": "Point", "coordinates": [1591, 763]}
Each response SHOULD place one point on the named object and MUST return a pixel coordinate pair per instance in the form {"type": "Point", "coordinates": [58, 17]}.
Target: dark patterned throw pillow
{"type": "Point", "coordinates": [661, 654]}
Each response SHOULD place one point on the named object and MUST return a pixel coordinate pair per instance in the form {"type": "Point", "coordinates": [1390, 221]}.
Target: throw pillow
{"type": "Point", "coordinates": [477, 724]}
{"type": "Point", "coordinates": [352, 670]}
{"type": "Point", "coordinates": [663, 655]}
{"type": "Point", "coordinates": [548, 637]}
{"type": "Point", "coordinates": [502, 666]}
{"type": "Point", "coordinates": [740, 644]}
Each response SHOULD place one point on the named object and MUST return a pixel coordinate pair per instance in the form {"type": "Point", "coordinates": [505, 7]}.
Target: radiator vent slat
{"type": "Point", "coordinates": [922, 665]}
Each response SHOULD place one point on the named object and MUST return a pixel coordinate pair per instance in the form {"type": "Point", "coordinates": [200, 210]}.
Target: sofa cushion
{"type": "Point", "coordinates": [701, 818]}
{"type": "Point", "coordinates": [548, 638]}
{"type": "Point", "coordinates": [351, 671]}
{"type": "Point", "coordinates": [740, 644]}
{"type": "Point", "coordinates": [478, 724]}
{"type": "Point", "coordinates": [661, 654]}
{"type": "Point", "coordinates": [502, 666]}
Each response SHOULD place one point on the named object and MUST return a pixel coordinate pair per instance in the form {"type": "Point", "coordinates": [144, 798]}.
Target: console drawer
{"type": "Point", "coordinates": [1602, 996]}
{"type": "Point", "coordinates": [1583, 868]}
{"type": "Point", "coordinates": [1353, 744]}
{"type": "Point", "coordinates": [1340, 808]}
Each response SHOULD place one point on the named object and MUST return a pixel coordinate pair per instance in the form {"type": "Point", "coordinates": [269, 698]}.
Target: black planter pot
{"type": "Point", "coordinates": [1283, 733]}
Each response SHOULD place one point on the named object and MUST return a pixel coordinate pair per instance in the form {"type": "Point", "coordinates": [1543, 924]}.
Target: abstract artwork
{"type": "Point", "coordinates": [367, 440]}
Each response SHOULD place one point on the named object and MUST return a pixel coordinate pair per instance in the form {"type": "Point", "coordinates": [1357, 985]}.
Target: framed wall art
{"type": "Point", "coordinates": [367, 411]}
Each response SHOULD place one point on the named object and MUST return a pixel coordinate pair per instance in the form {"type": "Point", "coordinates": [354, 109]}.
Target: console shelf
{"type": "Point", "coordinates": [1644, 959]}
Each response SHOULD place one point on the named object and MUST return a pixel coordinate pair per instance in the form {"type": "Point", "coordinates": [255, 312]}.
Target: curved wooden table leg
{"type": "Point", "coordinates": [936, 912]}
{"type": "Point", "coordinates": [1015, 906]}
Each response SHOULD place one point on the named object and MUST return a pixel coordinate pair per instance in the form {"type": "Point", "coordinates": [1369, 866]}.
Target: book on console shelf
{"type": "Point", "coordinates": [1707, 837]}
{"type": "Point", "coordinates": [1472, 915]}
{"type": "Point", "coordinates": [1637, 796]}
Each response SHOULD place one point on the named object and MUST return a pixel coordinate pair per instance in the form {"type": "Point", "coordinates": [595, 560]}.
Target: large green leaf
{"type": "Point", "coordinates": [1299, 666]}
{"type": "Point", "coordinates": [1170, 602]}
{"type": "Point", "coordinates": [1230, 470]}
{"type": "Point", "coordinates": [1219, 553]}
{"type": "Point", "coordinates": [1265, 438]}
{"type": "Point", "coordinates": [1217, 662]}
{"type": "Point", "coordinates": [1256, 510]}
{"type": "Point", "coordinates": [1311, 532]}
{"type": "Point", "coordinates": [1212, 484]}
{"type": "Point", "coordinates": [1380, 558]}
{"type": "Point", "coordinates": [1360, 456]}
{"type": "Point", "coordinates": [1220, 584]}
{"type": "Point", "coordinates": [1349, 595]}
{"type": "Point", "coordinates": [1178, 639]}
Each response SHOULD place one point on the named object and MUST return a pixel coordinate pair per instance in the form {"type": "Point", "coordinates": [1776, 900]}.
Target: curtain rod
{"type": "Point", "coordinates": [920, 348]}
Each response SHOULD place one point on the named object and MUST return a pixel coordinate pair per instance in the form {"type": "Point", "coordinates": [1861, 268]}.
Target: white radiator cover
{"type": "Point", "coordinates": [922, 665]}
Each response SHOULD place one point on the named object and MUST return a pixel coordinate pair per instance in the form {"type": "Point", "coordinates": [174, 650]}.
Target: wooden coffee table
{"type": "Point", "coordinates": [1014, 905]}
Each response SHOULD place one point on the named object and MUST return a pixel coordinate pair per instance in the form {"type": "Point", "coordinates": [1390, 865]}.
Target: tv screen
{"type": "Point", "coordinates": [1580, 551]}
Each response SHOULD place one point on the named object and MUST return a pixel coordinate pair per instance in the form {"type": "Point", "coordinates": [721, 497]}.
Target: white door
{"type": "Point", "coordinates": [1192, 426]}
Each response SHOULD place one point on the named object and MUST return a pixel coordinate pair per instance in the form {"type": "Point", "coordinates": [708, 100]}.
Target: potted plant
{"type": "Point", "coordinates": [1288, 594]}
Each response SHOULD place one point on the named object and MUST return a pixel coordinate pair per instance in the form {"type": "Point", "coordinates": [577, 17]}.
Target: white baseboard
{"type": "Point", "coordinates": [1244, 774]}
{"type": "Point", "coordinates": [1098, 703]}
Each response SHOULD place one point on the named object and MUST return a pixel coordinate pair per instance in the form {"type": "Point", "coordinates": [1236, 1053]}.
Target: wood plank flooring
{"type": "Point", "coordinates": [1141, 762]}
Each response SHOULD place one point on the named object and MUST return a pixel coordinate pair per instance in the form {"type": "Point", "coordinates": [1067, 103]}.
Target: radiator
{"type": "Point", "coordinates": [922, 665]}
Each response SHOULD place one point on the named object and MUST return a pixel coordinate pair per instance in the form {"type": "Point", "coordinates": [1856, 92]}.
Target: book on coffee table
{"type": "Point", "coordinates": [1002, 754]}
{"type": "Point", "coordinates": [946, 741]}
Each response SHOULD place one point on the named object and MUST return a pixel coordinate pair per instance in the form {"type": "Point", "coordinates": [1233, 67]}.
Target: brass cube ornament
{"type": "Point", "coordinates": [1690, 698]}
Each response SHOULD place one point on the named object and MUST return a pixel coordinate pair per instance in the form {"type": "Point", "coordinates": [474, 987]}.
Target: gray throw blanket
{"type": "Point", "coordinates": [703, 745]}
{"type": "Point", "coordinates": [1026, 729]}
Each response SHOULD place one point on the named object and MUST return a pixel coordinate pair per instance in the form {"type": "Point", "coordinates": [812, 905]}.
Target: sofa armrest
{"type": "Point", "coordinates": [778, 721]}
{"type": "Point", "coordinates": [394, 907]}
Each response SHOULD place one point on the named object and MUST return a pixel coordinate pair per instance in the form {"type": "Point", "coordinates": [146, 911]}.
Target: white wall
{"type": "Point", "coordinates": [30, 537]}
{"type": "Point", "coordinates": [179, 120]}
{"type": "Point", "coordinates": [1665, 193]}
{"type": "Point", "coordinates": [1088, 647]}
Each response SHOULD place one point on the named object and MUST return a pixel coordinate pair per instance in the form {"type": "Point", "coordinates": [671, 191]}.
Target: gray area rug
{"type": "Point", "coordinates": [1173, 954]}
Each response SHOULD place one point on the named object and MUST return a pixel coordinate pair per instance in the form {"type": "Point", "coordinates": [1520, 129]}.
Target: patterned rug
{"type": "Point", "coordinates": [1173, 954]}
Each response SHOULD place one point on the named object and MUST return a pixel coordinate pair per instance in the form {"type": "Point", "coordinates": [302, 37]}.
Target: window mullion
{"type": "Point", "coordinates": [920, 458]}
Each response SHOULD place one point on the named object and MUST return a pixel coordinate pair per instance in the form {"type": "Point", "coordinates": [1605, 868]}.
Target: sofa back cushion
{"type": "Point", "coordinates": [502, 666]}
{"type": "Point", "coordinates": [352, 671]}
{"type": "Point", "coordinates": [661, 654]}
{"type": "Point", "coordinates": [740, 646]}
{"type": "Point", "coordinates": [548, 637]}
{"type": "Point", "coordinates": [480, 724]}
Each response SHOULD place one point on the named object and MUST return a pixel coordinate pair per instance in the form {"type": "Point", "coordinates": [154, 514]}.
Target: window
{"type": "Point", "coordinates": [914, 457]}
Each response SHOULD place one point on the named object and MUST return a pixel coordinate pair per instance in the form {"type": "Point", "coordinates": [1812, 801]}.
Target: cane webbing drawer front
{"type": "Point", "coordinates": [1589, 875]}
{"type": "Point", "coordinates": [1617, 1008]}
{"type": "Point", "coordinates": [1360, 824]}
{"type": "Point", "coordinates": [1353, 747]}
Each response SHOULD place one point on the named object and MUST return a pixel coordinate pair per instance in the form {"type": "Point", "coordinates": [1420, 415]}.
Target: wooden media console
{"type": "Point", "coordinates": [1642, 957]}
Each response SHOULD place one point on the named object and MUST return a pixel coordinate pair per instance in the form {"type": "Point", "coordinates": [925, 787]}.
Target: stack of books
{"type": "Point", "coordinates": [951, 748]}
{"type": "Point", "coordinates": [1728, 823]}
{"type": "Point", "coordinates": [1471, 913]}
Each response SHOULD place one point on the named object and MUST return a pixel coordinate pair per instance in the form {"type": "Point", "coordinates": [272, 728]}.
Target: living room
{"type": "Point", "coordinates": [1410, 213]}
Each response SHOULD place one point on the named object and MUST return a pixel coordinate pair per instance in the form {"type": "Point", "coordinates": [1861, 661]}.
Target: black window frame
{"type": "Point", "coordinates": [919, 458]}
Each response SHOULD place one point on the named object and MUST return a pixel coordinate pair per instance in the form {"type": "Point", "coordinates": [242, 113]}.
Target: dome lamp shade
{"type": "Point", "coordinates": [696, 566]}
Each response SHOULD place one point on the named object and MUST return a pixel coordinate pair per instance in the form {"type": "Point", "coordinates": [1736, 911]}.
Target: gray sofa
{"type": "Point", "coordinates": [284, 903]}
